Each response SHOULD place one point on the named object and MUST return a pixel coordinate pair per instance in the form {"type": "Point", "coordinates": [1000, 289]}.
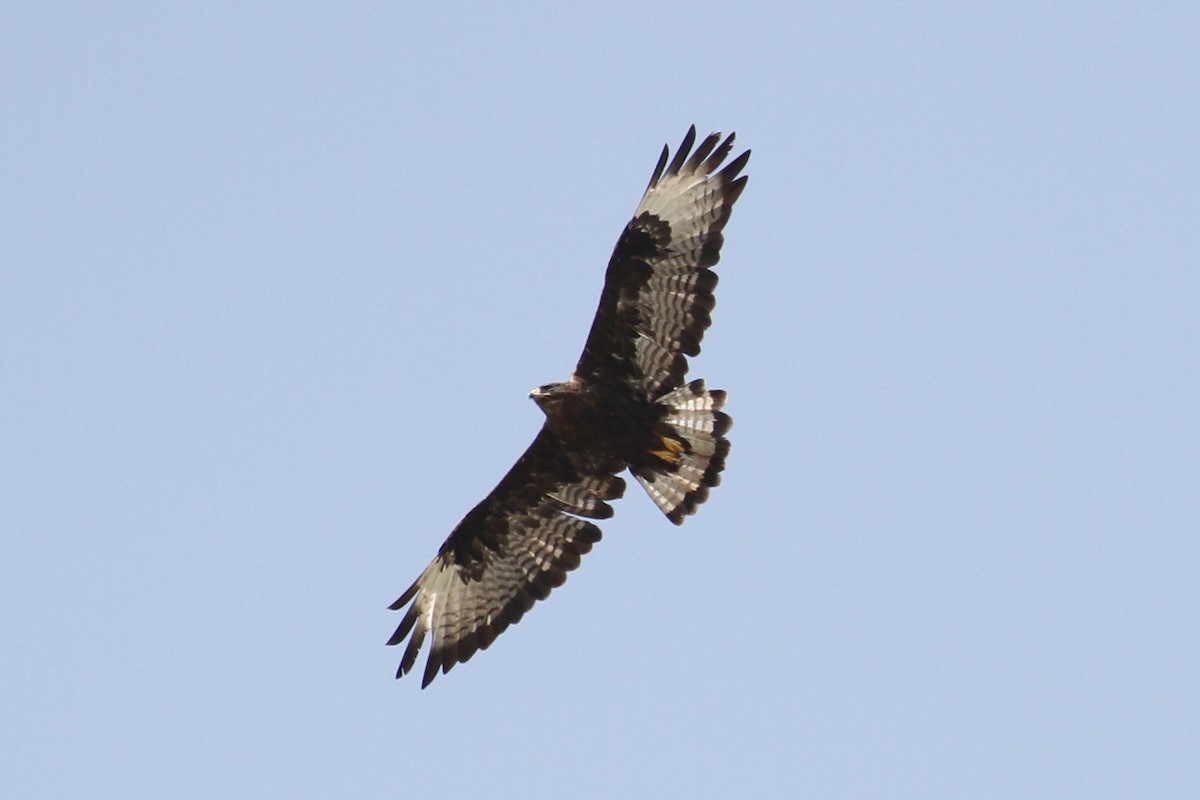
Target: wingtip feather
{"type": "Point", "coordinates": [682, 152]}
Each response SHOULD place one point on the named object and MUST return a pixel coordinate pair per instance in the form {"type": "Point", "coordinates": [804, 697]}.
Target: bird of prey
{"type": "Point", "coordinates": [626, 406]}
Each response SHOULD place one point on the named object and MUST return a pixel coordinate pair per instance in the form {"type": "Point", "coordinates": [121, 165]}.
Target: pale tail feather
{"type": "Point", "coordinates": [695, 418]}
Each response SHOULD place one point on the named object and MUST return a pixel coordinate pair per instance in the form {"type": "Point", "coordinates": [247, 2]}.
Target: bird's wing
{"type": "Point", "coordinates": [658, 290]}
{"type": "Point", "coordinates": [507, 553]}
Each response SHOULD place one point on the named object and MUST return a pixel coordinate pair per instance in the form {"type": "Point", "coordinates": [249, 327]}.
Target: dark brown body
{"type": "Point", "coordinates": [624, 427]}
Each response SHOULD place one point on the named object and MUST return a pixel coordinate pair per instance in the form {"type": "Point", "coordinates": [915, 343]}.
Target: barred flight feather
{"type": "Point", "coordinates": [694, 416]}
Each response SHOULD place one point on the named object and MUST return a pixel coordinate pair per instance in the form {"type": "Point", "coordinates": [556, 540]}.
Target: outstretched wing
{"type": "Point", "coordinates": [507, 553]}
{"type": "Point", "coordinates": [658, 291]}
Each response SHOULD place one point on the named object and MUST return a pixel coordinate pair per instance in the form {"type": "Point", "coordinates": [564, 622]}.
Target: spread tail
{"type": "Point", "coordinates": [692, 451]}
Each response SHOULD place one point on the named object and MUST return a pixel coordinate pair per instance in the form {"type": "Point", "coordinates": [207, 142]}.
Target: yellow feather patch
{"type": "Point", "coordinates": [671, 451]}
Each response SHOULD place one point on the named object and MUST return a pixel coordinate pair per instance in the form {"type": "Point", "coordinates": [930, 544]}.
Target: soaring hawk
{"type": "Point", "coordinates": [626, 406]}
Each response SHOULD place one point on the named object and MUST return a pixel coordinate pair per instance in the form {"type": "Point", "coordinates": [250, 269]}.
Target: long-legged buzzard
{"type": "Point", "coordinates": [626, 406]}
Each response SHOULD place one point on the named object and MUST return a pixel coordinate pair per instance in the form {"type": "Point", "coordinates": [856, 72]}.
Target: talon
{"type": "Point", "coordinates": [671, 450]}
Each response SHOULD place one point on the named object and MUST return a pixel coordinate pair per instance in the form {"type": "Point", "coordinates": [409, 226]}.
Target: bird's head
{"type": "Point", "coordinates": [547, 393]}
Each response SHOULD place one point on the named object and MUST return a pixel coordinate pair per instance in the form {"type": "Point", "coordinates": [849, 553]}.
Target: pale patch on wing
{"type": "Point", "coordinates": [659, 293]}
{"type": "Point", "coordinates": [509, 552]}
{"type": "Point", "coordinates": [586, 497]}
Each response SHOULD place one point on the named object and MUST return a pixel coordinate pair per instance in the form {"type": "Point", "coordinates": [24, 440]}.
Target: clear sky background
{"type": "Point", "coordinates": [276, 279]}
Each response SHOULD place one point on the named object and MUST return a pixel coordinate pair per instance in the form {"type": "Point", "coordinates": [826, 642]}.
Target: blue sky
{"type": "Point", "coordinates": [277, 279]}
